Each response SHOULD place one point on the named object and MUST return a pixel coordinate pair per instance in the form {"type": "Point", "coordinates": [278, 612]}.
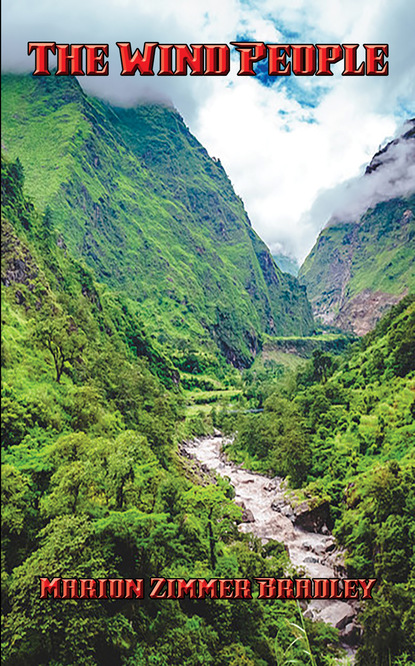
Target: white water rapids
{"type": "Point", "coordinates": [312, 554]}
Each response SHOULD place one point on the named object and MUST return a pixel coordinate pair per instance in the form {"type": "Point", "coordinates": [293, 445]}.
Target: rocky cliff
{"type": "Point", "coordinates": [363, 260]}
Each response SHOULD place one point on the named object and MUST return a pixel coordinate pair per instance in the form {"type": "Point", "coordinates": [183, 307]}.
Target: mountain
{"type": "Point", "coordinates": [134, 195]}
{"type": "Point", "coordinates": [363, 260]}
{"type": "Point", "coordinates": [286, 264]}
{"type": "Point", "coordinates": [93, 485]}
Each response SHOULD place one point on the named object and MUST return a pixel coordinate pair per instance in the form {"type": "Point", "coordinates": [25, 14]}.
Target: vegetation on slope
{"type": "Point", "coordinates": [344, 431]}
{"type": "Point", "coordinates": [92, 486]}
{"type": "Point", "coordinates": [358, 269]}
{"type": "Point", "coordinates": [132, 193]}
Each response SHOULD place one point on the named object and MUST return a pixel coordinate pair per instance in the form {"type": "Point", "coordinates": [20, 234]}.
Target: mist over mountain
{"type": "Point", "coordinates": [130, 276]}
{"type": "Point", "coordinates": [363, 260]}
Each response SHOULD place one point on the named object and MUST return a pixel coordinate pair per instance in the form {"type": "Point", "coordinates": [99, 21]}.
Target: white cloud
{"type": "Point", "coordinates": [279, 163]}
{"type": "Point", "coordinates": [391, 174]}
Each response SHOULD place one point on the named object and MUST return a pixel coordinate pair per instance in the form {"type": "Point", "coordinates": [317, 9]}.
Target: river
{"type": "Point", "coordinates": [314, 555]}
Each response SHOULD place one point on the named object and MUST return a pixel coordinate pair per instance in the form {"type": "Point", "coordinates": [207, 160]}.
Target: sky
{"type": "Point", "coordinates": [293, 147]}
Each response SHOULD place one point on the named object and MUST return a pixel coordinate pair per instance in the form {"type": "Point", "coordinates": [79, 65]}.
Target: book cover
{"type": "Point", "coordinates": [207, 333]}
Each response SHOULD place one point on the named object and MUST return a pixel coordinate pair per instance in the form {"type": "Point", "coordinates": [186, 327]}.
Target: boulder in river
{"type": "Point", "coordinates": [247, 515]}
{"type": "Point", "coordinates": [313, 519]}
{"type": "Point", "coordinates": [345, 621]}
{"type": "Point", "coordinates": [283, 507]}
{"type": "Point", "coordinates": [351, 634]}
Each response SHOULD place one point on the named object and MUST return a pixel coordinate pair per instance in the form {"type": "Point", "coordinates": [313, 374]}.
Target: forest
{"type": "Point", "coordinates": [93, 485]}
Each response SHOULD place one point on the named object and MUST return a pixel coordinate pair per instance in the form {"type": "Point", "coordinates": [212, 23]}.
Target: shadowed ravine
{"type": "Point", "coordinates": [270, 517]}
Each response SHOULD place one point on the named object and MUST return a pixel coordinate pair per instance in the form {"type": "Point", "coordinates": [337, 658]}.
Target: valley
{"type": "Point", "coordinates": [268, 514]}
{"type": "Point", "coordinates": [141, 316]}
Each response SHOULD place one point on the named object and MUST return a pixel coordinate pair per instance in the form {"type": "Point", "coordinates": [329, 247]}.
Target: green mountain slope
{"type": "Point", "coordinates": [344, 431]}
{"type": "Point", "coordinates": [135, 195]}
{"type": "Point", "coordinates": [358, 269]}
{"type": "Point", "coordinates": [92, 485]}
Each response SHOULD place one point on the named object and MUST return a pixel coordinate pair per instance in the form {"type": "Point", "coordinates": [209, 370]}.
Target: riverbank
{"type": "Point", "coordinates": [268, 514]}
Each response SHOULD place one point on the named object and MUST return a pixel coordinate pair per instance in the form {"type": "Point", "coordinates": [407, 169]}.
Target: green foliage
{"type": "Point", "coordinates": [370, 259]}
{"type": "Point", "coordinates": [132, 193]}
{"type": "Point", "coordinates": [346, 426]}
{"type": "Point", "coordinates": [59, 335]}
{"type": "Point", "coordinates": [91, 483]}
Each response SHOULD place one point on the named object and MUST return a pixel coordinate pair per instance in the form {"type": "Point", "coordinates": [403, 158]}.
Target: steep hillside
{"type": "Point", "coordinates": [344, 431]}
{"type": "Point", "coordinates": [92, 485]}
{"type": "Point", "coordinates": [359, 268]}
{"type": "Point", "coordinates": [135, 195]}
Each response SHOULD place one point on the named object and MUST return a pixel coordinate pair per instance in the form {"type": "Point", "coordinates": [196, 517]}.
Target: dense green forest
{"type": "Point", "coordinates": [343, 430]}
{"type": "Point", "coordinates": [133, 285]}
{"type": "Point", "coordinates": [92, 485]}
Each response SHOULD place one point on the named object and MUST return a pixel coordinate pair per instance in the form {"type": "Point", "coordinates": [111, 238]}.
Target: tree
{"type": "Point", "coordinates": [60, 336]}
{"type": "Point", "coordinates": [322, 365]}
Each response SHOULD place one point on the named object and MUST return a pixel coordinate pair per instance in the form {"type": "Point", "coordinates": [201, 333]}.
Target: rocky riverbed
{"type": "Point", "coordinates": [268, 514]}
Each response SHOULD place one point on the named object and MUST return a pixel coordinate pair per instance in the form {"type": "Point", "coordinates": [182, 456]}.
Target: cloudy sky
{"type": "Point", "coordinates": [287, 143]}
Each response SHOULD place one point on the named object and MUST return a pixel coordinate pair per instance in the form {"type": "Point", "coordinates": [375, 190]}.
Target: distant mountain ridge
{"type": "Point", "coordinates": [364, 263]}
{"type": "Point", "coordinates": [137, 197]}
{"type": "Point", "coordinates": [286, 264]}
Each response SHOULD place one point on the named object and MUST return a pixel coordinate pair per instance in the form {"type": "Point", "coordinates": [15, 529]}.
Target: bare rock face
{"type": "Point", "coordinates": [351, 634]}
{"type": "Point", "coordinates": [361, 313]}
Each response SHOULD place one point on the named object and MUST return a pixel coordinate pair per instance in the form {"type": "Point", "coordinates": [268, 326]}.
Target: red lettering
{"type": "Point", "coordinates": [350, 61]}
{"type": "Point", "coordinates": [285, 588]}
{"type": "Point", "coordinates": [70, 588]}
{"type": "Point", "coordinates": [156, 591]}
{"type": "Point", "coordinates": [242, 588]}
{"type": "Point", "coordinates": [171, 588]}
{"type": "Point", "coordinates": [41, 56]}
{"type": "Point", "coordinates": [267, 589]}
{"type": "Point", "coordinates": [88, 589]}
{"type": "Point", "coordinates": [69, 59]}
{"type": "Point", "coordinates": [304, 59]}
{"type": "Point", "coordinates": [95, 65]}
{"type": "Point", "coordinates": [350, 589]}
{"type": "Point", "coordinates": [250, 52]}
{"type": "Point", "coordinates": [335, 592]}
{"type": "Point", "coordinates": [186, 588]}
{"type": "Point", "coordinates": [185, 58]}
{"type": "Point", "coordinates": [117, 588]}
{"type": "Point", "coordinates": [166, 60]}
{"type": "Point", "coordinates": [303, 588]}
{"type": "Point", "coordinates": [375, 59]}
{"type": "Point", "coordinates": [277, 60]}
{"type": "Point", "coordinates": [217, 59]}
{"type": "Point", "coordinates": [143, 62]}
{"type": "Point", "coordinates": [102, 584]}
{"type": "Point", "coordinates": [225, 589]}
{"type": "Point", "coordinates": [328, 54]}
{"type": "Point", "coordinates": [321, 588]}
{"type": "Point", "coordinates": [367, 587]}
{"type": "Point", "coordinates": [134, 587]}
{"type": "Point", "coordinates": [48, 587]}
{"type": "Point", "coordinates": [208, 588]}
